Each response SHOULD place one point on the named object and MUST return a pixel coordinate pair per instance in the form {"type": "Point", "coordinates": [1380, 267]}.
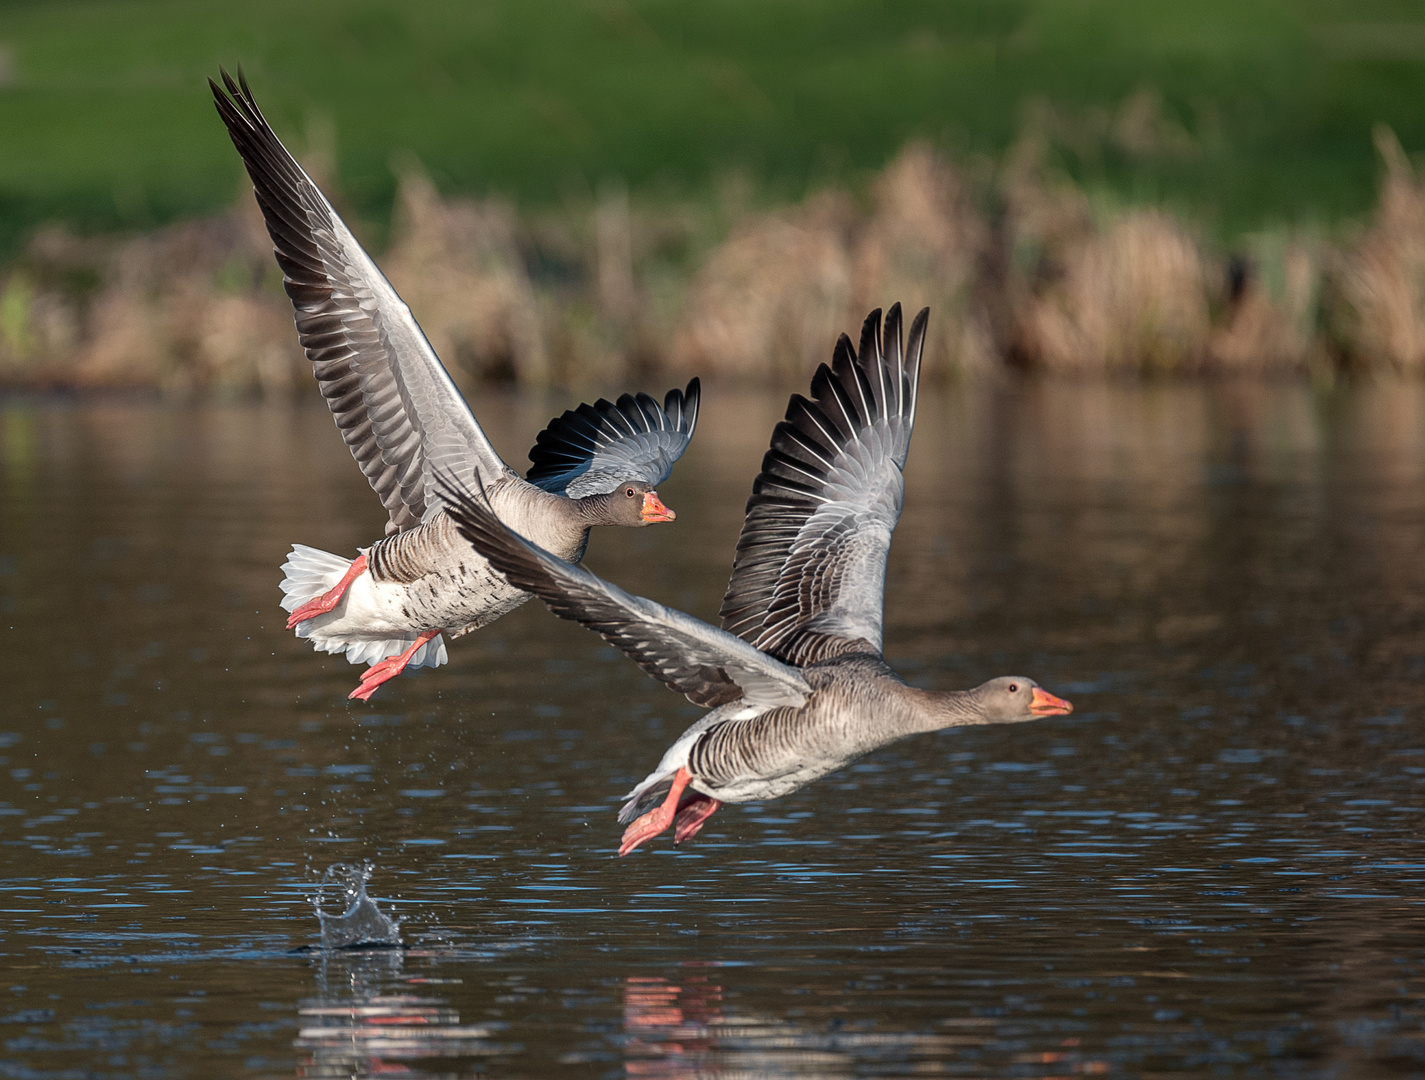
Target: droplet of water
{"type": "Point", "coordinates": [360, 922]}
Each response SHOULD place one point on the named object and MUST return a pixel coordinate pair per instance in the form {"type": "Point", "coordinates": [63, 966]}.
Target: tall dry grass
{"type": "Point", "coordinates": [926, 244]}
{"type": "Point", "coordinates": [1131, 295]}
{"type": "Point", "coordinates": [1020, 268]}
{"type": "Point", "coordinates": [196, 305]}
{"type": "Point", "coordinates": [764, 302]}
{"type": "Point", "coordinates": [458, 263]}
{"type": "Point", "coordinates": [757, 305]}
{"type": "Point", "coordinates": [1375, 306]}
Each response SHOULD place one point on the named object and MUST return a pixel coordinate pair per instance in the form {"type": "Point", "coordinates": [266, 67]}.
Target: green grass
{"type": "Point", "coordinates": [105, 120]}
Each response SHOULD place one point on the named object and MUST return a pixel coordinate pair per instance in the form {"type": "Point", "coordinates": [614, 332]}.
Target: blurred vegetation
{"type": "Point", "coordinates": [1264, 108]}
{"type": "Point", "coordinates": [582, 191]}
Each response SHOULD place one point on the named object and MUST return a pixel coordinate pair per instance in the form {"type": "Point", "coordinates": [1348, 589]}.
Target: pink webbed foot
{"type": "Point", "coordinates": [331, 598]}
{"type": "Point", "coordinates": [655, 821]}
{"type": "Point", "coordinates": [691, 816]}
{"type": "Point", "coordinates": [385, 670]}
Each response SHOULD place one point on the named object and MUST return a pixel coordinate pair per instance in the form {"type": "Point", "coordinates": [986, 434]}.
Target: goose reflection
{"type": "Point", "coordinates": [668, 1026]}
{"type": "Point", "coordinates": [681, 1031]}
{"type": "Point", "coordinates": [684, 1030]}
{"type": "Point", "coordinates": [367, 1020]}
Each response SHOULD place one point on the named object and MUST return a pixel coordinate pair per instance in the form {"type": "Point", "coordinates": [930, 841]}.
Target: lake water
{"type": "Point", "coordinates": [1213, 867]}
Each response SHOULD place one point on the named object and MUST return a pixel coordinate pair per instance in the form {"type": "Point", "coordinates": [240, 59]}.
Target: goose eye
{"type": "Point", "coordinates": [629, 493]}
{"type": "Point", "coordinates": [1014, 688]}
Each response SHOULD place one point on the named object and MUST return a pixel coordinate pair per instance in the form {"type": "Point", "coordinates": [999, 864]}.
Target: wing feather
{"type": "Point", "coordinates": [393, 401]}
{"type": "Point", "coordinates": [710, 666]}
{"type": "Point", "coordinates": [809, 576]}
{"type": "Point", "coordinates": [595, 448]}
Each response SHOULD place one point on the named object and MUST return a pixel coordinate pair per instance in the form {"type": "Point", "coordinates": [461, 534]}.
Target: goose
{"type": "Point", "coordinates": [403, 419]}
{"type": "Point", "coordinates": [795, 678]}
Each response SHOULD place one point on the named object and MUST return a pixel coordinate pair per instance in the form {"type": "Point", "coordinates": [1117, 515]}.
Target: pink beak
{"type": "Point", "coordinates": [1044, 703]}
{"type": "Point", "coordinates": [654, 510]}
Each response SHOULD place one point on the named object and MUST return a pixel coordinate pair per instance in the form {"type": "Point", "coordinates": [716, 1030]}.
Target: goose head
{"type": "Point", "coordinates": [633, 504]}
{"type": "Point", "coordinates": [1013, 698]}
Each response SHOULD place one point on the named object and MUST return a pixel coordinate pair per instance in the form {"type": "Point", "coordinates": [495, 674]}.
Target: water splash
{"type": "Point", "coordinates": [361, 922]}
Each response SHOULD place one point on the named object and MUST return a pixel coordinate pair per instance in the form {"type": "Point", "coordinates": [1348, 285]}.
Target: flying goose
{"type": "Point", "coordinates": [405, 421]}
{"type": "Point", "coordinates": [795, 679]}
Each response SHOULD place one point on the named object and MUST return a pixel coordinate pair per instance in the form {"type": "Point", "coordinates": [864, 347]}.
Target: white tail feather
{"type": "Point", "coordinates": [309, 572]}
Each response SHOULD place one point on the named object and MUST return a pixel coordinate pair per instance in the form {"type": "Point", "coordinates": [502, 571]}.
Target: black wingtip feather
{"type": "Point", "coordinates": [917, 342]}
{"type": "Point", "coordinates": [892, 340]}
{"type": "Point", "coordinates": [871, 336]}
{"type": "Point", "coordinates": [687, 403]}
{"type": "Point", "coordinates": [569, 444]}
{"type": "Point", "coordinates": [285, 194]}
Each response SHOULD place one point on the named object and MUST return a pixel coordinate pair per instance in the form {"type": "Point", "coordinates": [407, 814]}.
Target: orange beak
{"type": "Point", "coordinates": [654, 510]}
{"type": "Point", "coordinates": [1044, 703]}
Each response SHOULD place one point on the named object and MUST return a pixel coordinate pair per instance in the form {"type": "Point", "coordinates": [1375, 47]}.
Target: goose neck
{"type": "Point", "coordinates": [559, 525]}
{"type": "Point", "coordinates": [574, 521]}
{"type": "Point", "coordinates": [934, 710]}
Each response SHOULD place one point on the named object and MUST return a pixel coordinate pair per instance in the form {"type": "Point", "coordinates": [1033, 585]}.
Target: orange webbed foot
{"type": "Point", "coordinates": [691, 816]}
{"type": "Point", "coordinates": [655, 821]}
{"type": "Point", "coordinates": [384, 671]}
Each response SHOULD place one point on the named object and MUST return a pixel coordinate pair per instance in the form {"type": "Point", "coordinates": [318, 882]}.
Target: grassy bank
{"type": "Point", "coordinates": [1239, 113]}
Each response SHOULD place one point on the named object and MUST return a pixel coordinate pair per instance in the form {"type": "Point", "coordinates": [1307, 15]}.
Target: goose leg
{"type": "Point", "coordinates": [331, 598]}
{"type": "Point", "coordinates": [386, 670]}
{"type": "Point", "coordinates": [655, 821]}
{"type": "Point", "coordinates": [691, 816]}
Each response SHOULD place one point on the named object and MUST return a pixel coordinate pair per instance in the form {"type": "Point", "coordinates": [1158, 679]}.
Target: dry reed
{"type": "Point", "coordinates": [1131, 295]}
{"type": "Point", "coordinates": [1021, 270]}
{"type": "Point", "coordinates": [1375, 305]}
{"type": "Point", "coordinates": [758, 305]}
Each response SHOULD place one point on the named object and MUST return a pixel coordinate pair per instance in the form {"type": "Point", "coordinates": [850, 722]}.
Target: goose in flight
{"type": "Point", "coordinates": [405, 422]}
{"type": "Point", "coordinates": [795, 678]}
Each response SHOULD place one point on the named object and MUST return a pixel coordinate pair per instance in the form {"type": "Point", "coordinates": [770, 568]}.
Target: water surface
{"type": "Point", "coordinates": [1213, 867]}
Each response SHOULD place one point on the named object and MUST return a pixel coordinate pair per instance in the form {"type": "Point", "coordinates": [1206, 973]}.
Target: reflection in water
{"type": "Point", "coordinates": [360, 921]}
{"type": "Point", "coordinates": [668, 1026]}
{"type": "Point", "coordinates": [364, 1021]}
{"type": "Point", "coordinates": [681, 1031]}
{"type": "Point", "coordinates": [17, 445]}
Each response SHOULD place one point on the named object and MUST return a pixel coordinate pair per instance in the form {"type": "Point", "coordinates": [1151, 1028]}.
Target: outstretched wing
{"type": "Point", "coordinates": [595, 448]}
{"type": "Point", "coordinates": [808, 580]}
{"type": "Point", "coordinates": [394, 402]}
{"type": "Point", "coordinates": [709, 665]}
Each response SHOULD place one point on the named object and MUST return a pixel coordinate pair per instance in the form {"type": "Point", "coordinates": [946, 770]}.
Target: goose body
{"type": "Point", "coordinates": [430, 578]}
{"type": "Point", "coordinates": [739, 754]}
{"type": "Point", "coordinates": [795, 678]}
{"type": "Point", "coordinates": [406, 423]}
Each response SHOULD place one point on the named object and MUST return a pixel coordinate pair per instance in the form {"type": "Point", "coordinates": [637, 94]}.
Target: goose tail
{"type": "Point", "coordinates": [310, 572]}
